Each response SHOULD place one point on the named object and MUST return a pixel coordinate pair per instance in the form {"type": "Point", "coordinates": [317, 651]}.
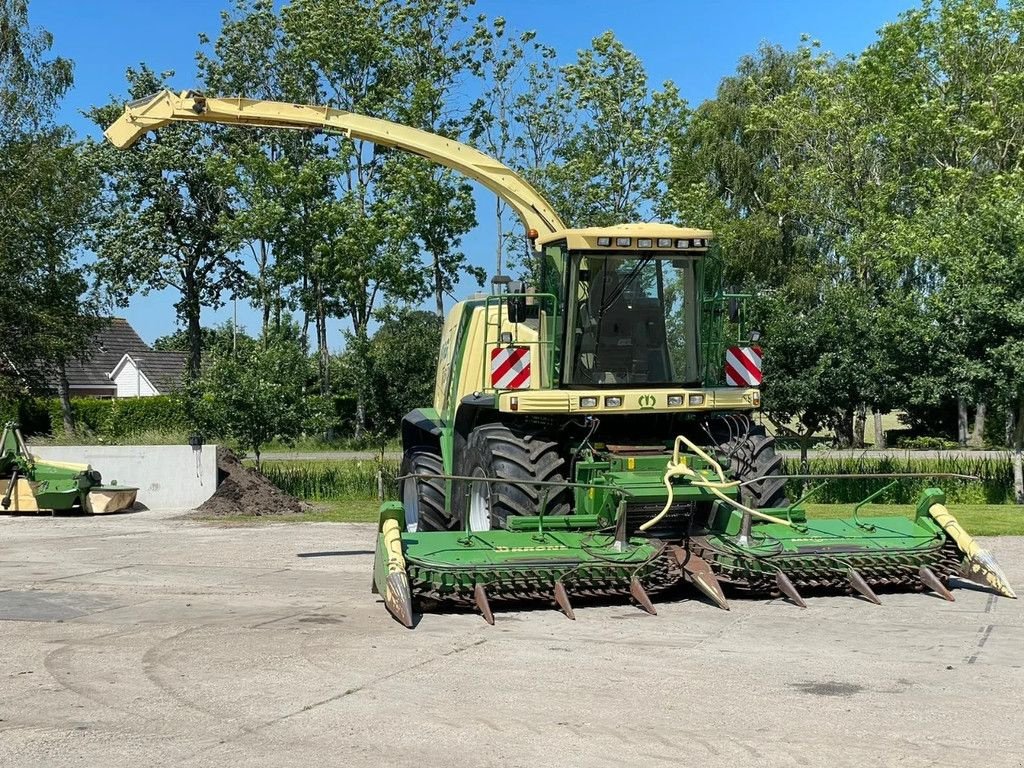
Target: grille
{"type": "Point", "coordinates": [673, 525]}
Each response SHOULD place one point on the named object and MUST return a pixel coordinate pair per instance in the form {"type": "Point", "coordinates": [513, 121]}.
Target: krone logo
{"type": "Point", "coordinates": [646, 402]}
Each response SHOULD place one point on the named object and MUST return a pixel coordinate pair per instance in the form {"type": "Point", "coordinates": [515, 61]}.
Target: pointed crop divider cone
{"type": "Point", "coordinates": [699, 573]}
{"type": "Point", "coordinates": [858, 583]}
{"type": "Point", "coordinates": [787, 588]}
{"type": "Point", "coordinates": [636, 589]}
{"type": "Point", "coordinates": [980, 565]}
{"type": "Point", "coordinates": [934, 583]}
{"type": "Point", "coordinates": [390, 577]}
{"type": "Point", "coordinates": [562, 599]}
{"type": "Point", "coordinates": [483, 604]}
{"type": "Point", "coordinates": [398, 598]}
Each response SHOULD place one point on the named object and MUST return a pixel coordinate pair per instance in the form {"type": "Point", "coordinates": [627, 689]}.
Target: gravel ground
{"type": "Point", "coordinates": [148, 639]}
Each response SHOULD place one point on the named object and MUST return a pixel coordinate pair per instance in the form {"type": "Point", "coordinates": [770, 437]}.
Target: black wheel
{"type": "Point", "coordinates": [423, 498]}
{"type": "Point", "coordinates": [495, 451]}
{"type": "Point", "coordinates": [753, 455]}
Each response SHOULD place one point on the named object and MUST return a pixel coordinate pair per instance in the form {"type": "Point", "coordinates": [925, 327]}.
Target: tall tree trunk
{"type": "Point", "coordinates": [961, 422]}
{"type": "Point", "coordinates": [498, 205]}
{"type": "Point", "coordinates": [362, 347]}
{"type": "Point", "coordinates": [265, 293]}
{"type": "Point", "coordinates": [879, 432]}
{"type": "Point", "coordinates": [859, 423]}
{"type": "Point", "coordinates": [320, 311]}
{"type": "Point", "coordinates": [438, 286]}
{"type": "Point", "coordinates": [977, 439]}
{"type": "Point", "coordinates": [844, 429]}
{"type": "Point", "coordinates": [64, 393]}
{"type": "Point", "coordinates": [194, 330]}
{"type": "Point", "coordinates": [1018, 454]}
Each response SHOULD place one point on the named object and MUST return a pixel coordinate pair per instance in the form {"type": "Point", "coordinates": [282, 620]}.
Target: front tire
{"type": "Point", "coordinates": [754, 456]}
{"type": "Point", "coordinates": [424, 497]}
{"type": "Point", "coordinates": [495, 451]}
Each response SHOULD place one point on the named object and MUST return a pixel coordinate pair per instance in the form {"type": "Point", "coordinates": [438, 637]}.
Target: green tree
{"type": "Point", "coordinates": [46, 202]}
{"type": "Point", "coordinates": [518, 118]}
{"type": "Point", "coordinates": [400, 361]}
{"type": "Point", "coordinates": [221, 339]}
{"type": "Point", "coordinates": [611, 167]}
{"type": "Point", "coordinates": [950, 76]}
{"type": "Point", "coordinates": [397, 61]}
{"type": "Point", "coordinates": [259, 393]}
{"type": "Point", "coordinates": [163, 220]}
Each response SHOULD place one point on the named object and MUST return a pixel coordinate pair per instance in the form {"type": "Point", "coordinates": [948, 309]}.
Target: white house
{"type": "Point", "coordinates": [144, 374]}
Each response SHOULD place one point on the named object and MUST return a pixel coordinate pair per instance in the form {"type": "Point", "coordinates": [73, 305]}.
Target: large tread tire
{"type": "Point", "coordinates": [755, 456]}
{"type": "Point", "coordinates": [424, 498]}
{"type": "Point", "coordinates": [496, 451]}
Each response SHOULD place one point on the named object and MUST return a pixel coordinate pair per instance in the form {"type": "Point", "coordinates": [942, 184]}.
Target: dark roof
{"type": "Point", "coordinates": [105, 351]}
{"type": "Point", "coordinates": [163, 369]}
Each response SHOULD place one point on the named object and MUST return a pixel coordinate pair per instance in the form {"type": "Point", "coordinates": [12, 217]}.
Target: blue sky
{"type": "Point", "coordinates": [692, 43]}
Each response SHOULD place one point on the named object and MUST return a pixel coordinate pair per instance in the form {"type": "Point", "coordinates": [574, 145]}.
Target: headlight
{"type": "Point", "coordinates": [664, 242]}
{"type": "Point", "coordinates": [674, 401]}
{"type": "Point", "coordinates": [644, 242]}
{"type": "Point", "coordinates": [604, 241]}
{"type": "Point", "coordinates": [696, 399]}
{"type": "Point", "coordinates": [623, 242]}
{"type": "Point", "coordinates": [588, 402]}
{"type": "Point", "coordinates": [613, 401]}
{"type": "Point", "coordinates": [682, 243]}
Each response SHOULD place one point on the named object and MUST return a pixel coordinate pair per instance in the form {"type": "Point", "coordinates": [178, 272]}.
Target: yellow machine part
{"type": "Point", "coordinates": [23, 499]}
{"type": "Point", "coordinates": [981, 565]}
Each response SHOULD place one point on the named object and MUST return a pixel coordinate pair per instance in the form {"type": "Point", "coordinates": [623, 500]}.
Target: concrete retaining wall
{"type": "Point", "coordinates": [167, 476]}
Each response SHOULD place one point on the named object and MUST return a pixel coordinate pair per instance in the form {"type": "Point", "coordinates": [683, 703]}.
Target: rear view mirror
{"type": "Point", "coordinates": [734, 310]}
{"type": "Point", "coordinates": [516, 301]}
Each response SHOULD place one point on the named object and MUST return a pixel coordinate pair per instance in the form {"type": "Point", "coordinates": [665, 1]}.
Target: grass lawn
{"type": "Point", "coordinates": [349, 511]}
{"type": "Point", "coordinates": [977, 519]}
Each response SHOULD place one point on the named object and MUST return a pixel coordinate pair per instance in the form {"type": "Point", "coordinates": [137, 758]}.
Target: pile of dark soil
{"type": "Point", "coordinates": [244, 491]}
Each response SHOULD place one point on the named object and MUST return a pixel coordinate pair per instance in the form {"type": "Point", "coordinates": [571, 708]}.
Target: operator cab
{"type": "Point", "coordinates": [632, 319]}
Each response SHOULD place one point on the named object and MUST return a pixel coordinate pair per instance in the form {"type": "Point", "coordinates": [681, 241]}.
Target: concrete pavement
{"type": "Point", "coordinates": [144, 639]}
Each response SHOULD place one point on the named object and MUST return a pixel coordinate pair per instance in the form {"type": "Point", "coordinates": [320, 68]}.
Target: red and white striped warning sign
{"type": "Point", "coordinates": [743, 366]}
{"type": "Point", "coordinates": [510, 367]}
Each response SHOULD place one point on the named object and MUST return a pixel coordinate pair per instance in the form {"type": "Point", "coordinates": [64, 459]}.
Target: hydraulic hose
{"type": "Point", "coordinates": [678, 468]}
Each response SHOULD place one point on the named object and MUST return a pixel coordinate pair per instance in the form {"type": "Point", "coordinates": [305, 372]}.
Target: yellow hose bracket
{"type": "Point", "coordinates": [677, 467]}
{"type": "Point", "coordinates": [980, 564]}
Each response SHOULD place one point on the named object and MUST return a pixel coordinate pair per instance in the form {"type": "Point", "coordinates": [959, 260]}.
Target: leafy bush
{"type": "Point", "coordinates": [258, 393]}
{"type": "Point", "coordinates": [351, 479]}
{"type": "Point", "coordinates": [925, 443]}
{"type": "Point", "coordinates": [993, 486]}
{"type": "Point", "coordinates": [333, 480]}
{"type": "Point", "coordinates": [114, 420]}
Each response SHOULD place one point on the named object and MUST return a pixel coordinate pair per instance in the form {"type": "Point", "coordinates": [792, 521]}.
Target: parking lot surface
{"type": "Point", "coordinates": [148, 639]}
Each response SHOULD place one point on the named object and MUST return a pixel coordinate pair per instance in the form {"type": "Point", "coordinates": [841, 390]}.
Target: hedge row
{"type": "Point", "coordinates": [32, 415]}
{"type": "Point", "coordinates": [345, 479]}
{"type": "Point", "coordinates": [119, 418]}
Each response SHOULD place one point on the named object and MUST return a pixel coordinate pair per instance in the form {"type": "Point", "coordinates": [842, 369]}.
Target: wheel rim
{"type": "Point", "coordinates": [479, 504]}
{"type": "Point", "coordinates": [411, 503]}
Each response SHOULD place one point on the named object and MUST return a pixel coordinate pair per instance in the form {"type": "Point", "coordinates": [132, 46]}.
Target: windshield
{"type": "Point", "coordinates": [634, 320]}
